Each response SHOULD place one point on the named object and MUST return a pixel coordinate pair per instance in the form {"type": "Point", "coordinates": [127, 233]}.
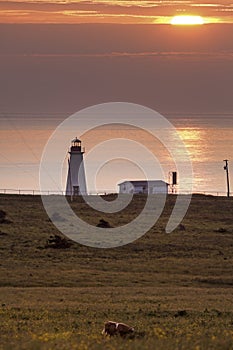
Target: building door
{"type": "Point", "coordinates": [76, 190]}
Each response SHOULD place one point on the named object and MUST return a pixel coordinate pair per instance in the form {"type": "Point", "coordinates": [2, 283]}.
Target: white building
{"type": "Point", "coordinates": [76, 180]}
{"type": "Point", "coordinates": [143, 186]}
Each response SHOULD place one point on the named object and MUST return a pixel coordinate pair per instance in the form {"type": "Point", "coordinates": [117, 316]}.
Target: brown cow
{"type": "Point", "coordinates": [113, 328]}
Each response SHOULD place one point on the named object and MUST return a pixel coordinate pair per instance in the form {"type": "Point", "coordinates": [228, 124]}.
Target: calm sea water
{"type": "Point", "coordinates": [208, 139]}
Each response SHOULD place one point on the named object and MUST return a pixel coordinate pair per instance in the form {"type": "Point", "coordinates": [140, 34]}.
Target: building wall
{"type": "Point", "coordinates": [154, 188]}
{"type": "Point", "coordinates": [159, 189]}
{"type": "Point", "coordinates": [126, 187]}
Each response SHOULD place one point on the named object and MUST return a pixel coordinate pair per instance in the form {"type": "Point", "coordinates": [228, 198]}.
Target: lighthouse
{"type": "Point", "coordinates": [76, 181]}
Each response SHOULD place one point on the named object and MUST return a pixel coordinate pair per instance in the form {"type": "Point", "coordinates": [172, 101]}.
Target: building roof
{"type": "Point", "coordinates": [145, 182]}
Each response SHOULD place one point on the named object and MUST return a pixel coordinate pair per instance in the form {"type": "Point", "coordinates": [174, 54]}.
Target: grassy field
{"type": "Point", "coordinates": [175, 289]}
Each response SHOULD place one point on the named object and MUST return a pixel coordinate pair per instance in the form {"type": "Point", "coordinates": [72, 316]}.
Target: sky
{"type": "Point", "coordinates": [62, 68]}
{"type": "Point", "coordinates": [87, 56]}
{"type": "Point", "coordinates": [57, 57]}
{"type": "Point", "coordinates": [112, 11]}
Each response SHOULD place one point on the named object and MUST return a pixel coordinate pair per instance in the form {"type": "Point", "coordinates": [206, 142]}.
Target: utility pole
{"type": "Point", "coordinates": [228, 181]}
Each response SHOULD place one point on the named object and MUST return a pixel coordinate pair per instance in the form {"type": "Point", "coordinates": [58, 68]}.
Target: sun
{"type": "Point", "coordinates": [187, 20]}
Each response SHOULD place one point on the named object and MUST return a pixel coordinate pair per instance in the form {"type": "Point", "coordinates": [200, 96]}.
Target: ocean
{"type": "Point", "coordinates": [208, 139]}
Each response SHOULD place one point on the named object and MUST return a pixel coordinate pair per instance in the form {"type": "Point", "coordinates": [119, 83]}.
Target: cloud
{"type": "Point", "coordinates": [166, 56]}
{"type": "Point", "coordinates": [117, 11]}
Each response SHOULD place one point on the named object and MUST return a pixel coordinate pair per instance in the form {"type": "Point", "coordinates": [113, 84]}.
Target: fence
{"type": "Point", "coordinates": [101, 193]}
{"type": "Point", "coordinates": [49, 192]}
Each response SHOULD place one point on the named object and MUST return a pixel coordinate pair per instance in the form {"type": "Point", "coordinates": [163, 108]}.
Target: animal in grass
{"type": "Point", "coordinates": [114, 328]}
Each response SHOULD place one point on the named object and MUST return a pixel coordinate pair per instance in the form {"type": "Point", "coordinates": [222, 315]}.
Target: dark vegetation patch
{"type": "Point", "coordinates": [3, 218]}
{"type": "Point", "coordinates": [58, 242]}
{"type": "Point", "coordinates": [181, 313]}
{"type": "Point", "coordinates": [3, 233]}
{"type": "Point", "coordinates": [104, 224]}
{"type": "Point", "coordinates": [221, 230]}
{"type": "Point", "coordinates": [57, 217]}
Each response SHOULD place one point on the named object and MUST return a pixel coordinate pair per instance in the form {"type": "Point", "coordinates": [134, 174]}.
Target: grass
{"type": "Point", "coordinates": [177, 288]}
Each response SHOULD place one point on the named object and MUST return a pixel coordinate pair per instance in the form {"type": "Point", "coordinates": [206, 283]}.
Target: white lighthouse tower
{"type": "Point", "coordinates": [76, 181]}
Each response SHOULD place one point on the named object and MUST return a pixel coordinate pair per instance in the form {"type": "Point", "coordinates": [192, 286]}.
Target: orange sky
{"type": "Point", "coordinates": [49, 71]}
{"type": "Point", "coordinates": [112, 11]}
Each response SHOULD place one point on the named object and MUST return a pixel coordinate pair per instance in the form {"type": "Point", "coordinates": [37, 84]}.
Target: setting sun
{"type": "Point", "coordinates": [187, 20]}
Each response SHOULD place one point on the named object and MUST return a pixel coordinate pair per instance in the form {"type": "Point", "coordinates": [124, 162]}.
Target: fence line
{"type": "Point", "coordinates": [101, 193]}
{"type": "Point", "coordinates": [48, 192]}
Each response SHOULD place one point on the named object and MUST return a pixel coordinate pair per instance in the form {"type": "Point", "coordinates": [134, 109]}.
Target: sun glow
{"type": "Point", "coordinates": [187, 20]}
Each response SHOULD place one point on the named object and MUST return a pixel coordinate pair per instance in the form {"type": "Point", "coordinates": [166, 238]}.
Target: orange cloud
{"type": "Point", "coordinates": [111, 11]}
